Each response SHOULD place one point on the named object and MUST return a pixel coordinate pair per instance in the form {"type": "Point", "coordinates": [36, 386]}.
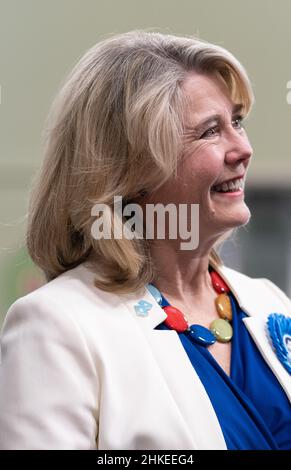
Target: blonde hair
{"type": "Point", "coordinates": [115, 128]}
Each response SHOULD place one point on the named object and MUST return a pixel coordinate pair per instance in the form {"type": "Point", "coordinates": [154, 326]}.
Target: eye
{"type": "Point", "coordinates": [237, 122]}
{"type": "Point", "coordinates": [212, 131]}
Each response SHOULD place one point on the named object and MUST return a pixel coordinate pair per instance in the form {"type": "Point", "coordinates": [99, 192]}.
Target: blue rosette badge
{"type": "Point", "coordinates": [279, 328]}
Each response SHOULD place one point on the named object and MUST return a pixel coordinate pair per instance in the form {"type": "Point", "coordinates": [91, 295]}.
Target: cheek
{"type": "Point", "coordinates": [204, 162]}
{"type": "Point", "coordinates": [200, 168]}
{"type": "Point", "coordinates": [195, 184]}
{"type": "Point", "coordinates": [202, 173]}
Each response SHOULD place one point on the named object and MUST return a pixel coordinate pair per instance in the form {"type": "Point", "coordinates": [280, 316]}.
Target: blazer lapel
{"type": "Point", "coordinates": [257, 300]}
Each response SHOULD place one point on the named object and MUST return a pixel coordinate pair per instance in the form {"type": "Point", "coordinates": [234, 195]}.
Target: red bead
{"type": "Point", "coordinates": [175, 320]}
{"type": "Point", "coordinates": [218, 283]}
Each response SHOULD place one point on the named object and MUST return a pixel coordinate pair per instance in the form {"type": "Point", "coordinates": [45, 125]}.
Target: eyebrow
{"type": "Point", "coordinates": [215, 117]}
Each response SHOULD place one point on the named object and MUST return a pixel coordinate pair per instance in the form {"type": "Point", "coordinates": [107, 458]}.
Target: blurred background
{"type": "Point", "coordinates": [41, 40]}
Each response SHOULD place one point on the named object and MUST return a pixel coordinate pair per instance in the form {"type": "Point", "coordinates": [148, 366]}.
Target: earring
{"type": "Point", "coordinates": [143, 192]}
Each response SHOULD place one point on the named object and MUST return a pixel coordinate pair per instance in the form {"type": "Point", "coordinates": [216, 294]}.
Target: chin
{"type": "Point", "coordinates": [241, 218]}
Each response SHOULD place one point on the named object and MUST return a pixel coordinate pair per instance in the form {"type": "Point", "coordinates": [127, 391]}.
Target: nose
{"type": "Point", "coordinates": [238, 147]}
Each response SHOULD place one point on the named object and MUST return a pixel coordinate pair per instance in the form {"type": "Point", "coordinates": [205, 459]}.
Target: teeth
{"type": "Point", "coordinates": [234, 185]}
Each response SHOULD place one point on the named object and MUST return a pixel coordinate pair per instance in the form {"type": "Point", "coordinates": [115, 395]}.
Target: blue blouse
{"type": "Point", "coordinates": [253, 410]}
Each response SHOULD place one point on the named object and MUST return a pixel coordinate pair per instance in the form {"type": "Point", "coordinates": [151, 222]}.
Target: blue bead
{"type": "Point", "coordinates": [155, 293]}
{"type": "Point", "coordinates": [162, 301]}
{"type": "Point", "coordinates": [201, 335]}
{"type": "Point", "coordinates": [165, 303]}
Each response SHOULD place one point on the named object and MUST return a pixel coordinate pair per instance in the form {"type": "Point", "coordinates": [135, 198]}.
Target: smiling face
{"type": "Point", "coordinates": [217, 150]}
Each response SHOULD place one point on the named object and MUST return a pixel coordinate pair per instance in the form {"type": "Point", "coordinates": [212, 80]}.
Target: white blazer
{"type": "Point", "coordinates": [81, 370]}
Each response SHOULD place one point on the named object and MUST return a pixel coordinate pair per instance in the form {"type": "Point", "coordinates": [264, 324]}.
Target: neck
{"type": "Point", "coordinates": [181, 275]}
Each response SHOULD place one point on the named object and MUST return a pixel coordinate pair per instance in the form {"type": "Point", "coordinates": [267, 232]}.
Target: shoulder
{"type": "Point", "coordinates": [256, 294]}
{"type": "Point", "coordinates": [71, 295]}
{"type": "Point", "coordinates": [74, 285]}
{"type": "Point", "coordinates": [70, 310]}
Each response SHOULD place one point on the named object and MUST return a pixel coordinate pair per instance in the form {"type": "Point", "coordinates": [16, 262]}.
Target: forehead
{"type": "Point", "coordinates": [206, 94]}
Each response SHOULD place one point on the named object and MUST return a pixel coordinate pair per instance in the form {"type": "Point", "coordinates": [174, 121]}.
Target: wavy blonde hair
{"type": "Point", "coordinates": [115, 128]}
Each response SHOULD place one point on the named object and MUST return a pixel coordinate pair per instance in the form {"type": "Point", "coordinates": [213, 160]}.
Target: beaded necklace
{"type": "Point", "coordinates": [220, 329]}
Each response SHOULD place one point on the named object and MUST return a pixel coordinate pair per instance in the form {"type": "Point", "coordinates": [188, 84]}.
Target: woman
{"type": "Point", "coordinates": [135, 343]}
